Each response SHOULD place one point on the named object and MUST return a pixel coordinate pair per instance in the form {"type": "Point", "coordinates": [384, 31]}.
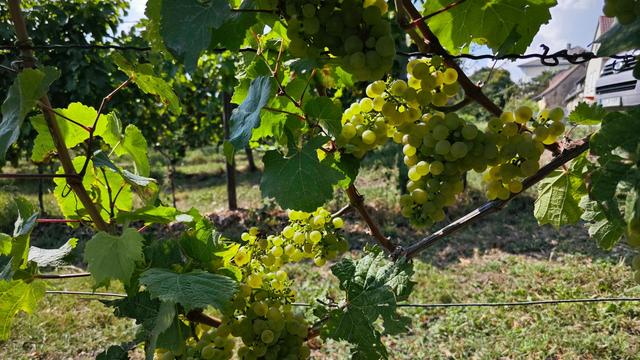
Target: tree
{"type": "Point", "coordinates": [84, 74]}
{"type": "Point", "coordinates": [316, 143]}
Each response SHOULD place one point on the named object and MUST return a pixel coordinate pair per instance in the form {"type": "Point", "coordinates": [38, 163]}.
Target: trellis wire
{"type": "Point", "coordinates": [426, 305]}
{"type": "Point", "coordinates": [546, 58]}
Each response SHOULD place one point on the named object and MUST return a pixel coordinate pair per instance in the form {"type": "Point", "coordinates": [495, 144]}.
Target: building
{"type": "Point", "coordinates": [594, 68]}
{"type": "Point", "coordinates": [563, 87]}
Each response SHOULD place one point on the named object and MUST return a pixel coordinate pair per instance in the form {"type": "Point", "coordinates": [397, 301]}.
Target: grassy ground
{"type": "Point", "coordinates": [505, 258]}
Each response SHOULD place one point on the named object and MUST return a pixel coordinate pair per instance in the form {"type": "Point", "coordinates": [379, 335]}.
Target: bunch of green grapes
{"type": "Point", "coordinates": [439, 149]}
{"type": "Point", "coordinates": [354, 31]}
{"type": "Point", "coordinates": [520, 139]}
{"type": "Point", "coordinates": [268, 328]}
{"type": "Point", "coordinates": [626, 11]}
{"type": "Point", "coordinates": [368, 123]}
{"type": "Point", "coordinates": [362, 129]}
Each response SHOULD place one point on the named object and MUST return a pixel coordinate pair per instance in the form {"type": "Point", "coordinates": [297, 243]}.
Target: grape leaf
{"type": "Point", "coordinates": [196, 289]}
{"type": "Point", "coordinates": [605, 230]}
{"type": "Point", "coordinates": [619, 38]}
{"type": "Point", "coordinates": [51, 257]}
{"type": "Point", "coordinates": [25, 223]}
{"type": "Point", "coordinates": [16, 296]}
{"type": "Point", "coordinates": [70, 206]}
{"type": "Point", "coordinates": [72, 134]}
{"type": "Point", "coordinates": [585, 114]}
{"type": "Point", "coordinates": [165, 317]}
{"type": "Point", "coordinates": [301, 181]}
{"type": "Point", "coordinates": [232, 32]}
{"type": "Point", "coordinates": [186, 27]}
{"type": "Point", "coordinates": [325, 111]}
{"type": "Point", "coordinates": [619, 130]}
{"type": "Point", "coordinates": [113, 257]}
{"type": "Point", "coordinates": [373, 286]}
{"type": "Point", "coordinates": [29, 86]}
{"type": "Point", "coordinates": [247, 116]}
{"type": "Point", "coordinates": [506, 26]}
{"type": "Point", "coordinates": [559, 195]}
{"type": "Point", "coordinates": [135, 145]}
{"type": "Point", "coordinates": [146, 79]}
{"type": "Point", "coordinates": [614, 177]}
{"type": "Point", "coordinates": [150, 214]}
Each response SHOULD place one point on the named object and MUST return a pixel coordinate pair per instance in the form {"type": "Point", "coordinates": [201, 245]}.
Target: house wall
{"type": "Point", "coordinates": [593, 73]}
{"type": "Point", "coordinates": [555, 98]}
{"type": "Point", "coordinates": [531, 72]}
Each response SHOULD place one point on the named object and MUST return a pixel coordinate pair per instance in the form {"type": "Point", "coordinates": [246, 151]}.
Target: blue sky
{"type": "Point", "coordinates": [572, 21]}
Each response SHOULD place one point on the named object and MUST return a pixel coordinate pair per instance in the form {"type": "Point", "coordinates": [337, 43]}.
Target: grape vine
{"type": "Point", "coordinates": [202, 295]}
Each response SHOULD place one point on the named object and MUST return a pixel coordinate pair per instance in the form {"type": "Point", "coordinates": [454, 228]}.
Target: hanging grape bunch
{"type": "Point", "coordinates": [369, 122]}
{"type": "Point", "coordinates": [440, 148]}
{"type": "Point", "coordinates": [355, 32]}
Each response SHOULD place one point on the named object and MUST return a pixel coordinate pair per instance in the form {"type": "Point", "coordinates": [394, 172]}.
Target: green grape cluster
{"type": "Point", "coordinates": [626, 11]}
{"type": "Point", "coordinates": [439, 149]}
{"type": "Point", "coordinates": [262, 316]}
{"type": "Point", "coordinates": [354, 31]}
{"type": "Point", "coordinates": [520, 139]}
{"type": "Point", "coordinates": [214, 344]}
{"type": "Point", "coordinates": [368, 123]}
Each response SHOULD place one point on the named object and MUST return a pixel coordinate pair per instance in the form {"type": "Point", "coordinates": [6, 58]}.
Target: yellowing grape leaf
{"type": "Point", "coordinates": [73, 134]}
{"type": "Point", "coordinates": [16, 296]}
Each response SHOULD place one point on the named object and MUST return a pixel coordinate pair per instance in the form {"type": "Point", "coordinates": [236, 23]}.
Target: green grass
{"type": "Point", "coordinates": [506, 257]}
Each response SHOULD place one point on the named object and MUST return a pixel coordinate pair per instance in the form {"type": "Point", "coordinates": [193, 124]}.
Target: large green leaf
{"type": "Point", "coordinates": [620, 38]}
{"type": "Point", "coordinates": [186, 26]}
{"type": "Point", "coordinates": [300, 181]}
{"type": "Point", "coordinates": [247, 116]}
{"type": "Point", "coordinates": [585, 114]}
{"type": "Point", "coordinates": [233, 31]}
{"type": "Point", "coordinates": [559, 196]}
{"type": "Point", "coordinates": [29, 86]}
{"type": "Point", "coordinates": [144, 76]}
{"type": "Point", "coordinates": [16, 296]}
{"type": "Point", "coordinates": [506, 26]}
{"type": "Point", "coordinates": [614, 178]}
{"type": "Point", "coordinates": [196, 289]}
{"type": "Point", "coordinates": [112, 257]}
{"type": "Point", "coordinates": [72, 134]}
{"type": "Point", "coordinates": [373, 286]}
{"type": "Point", "coordinates": [326, 112]}
{"type": "Point", "coordinates": [132, 144]}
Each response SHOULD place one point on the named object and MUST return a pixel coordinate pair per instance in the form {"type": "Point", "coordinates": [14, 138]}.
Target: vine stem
{"type": "Point", "coordinates": [357, 201]}
{"type": "Point", "coordinates": [75, 182]}
{"type": "Point", "coordinates": [428, 42]}
{"type": "Point", "coordinates": [570, 152]}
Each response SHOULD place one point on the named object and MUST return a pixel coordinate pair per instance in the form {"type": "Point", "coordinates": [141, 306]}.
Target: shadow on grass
{"type": "Point", "coordinates": [512, 230]}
